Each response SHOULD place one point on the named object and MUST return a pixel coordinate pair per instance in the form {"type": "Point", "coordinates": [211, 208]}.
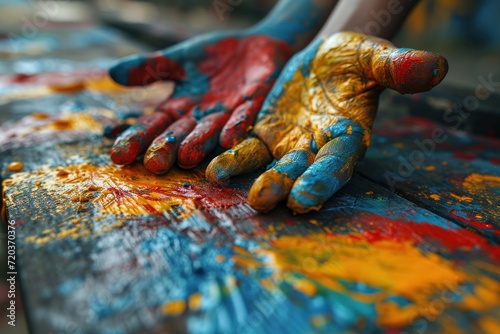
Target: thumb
{"type": "Point", "coordinates": [141, 70]}
{"type": "Point", "coordinates": [408, 71]}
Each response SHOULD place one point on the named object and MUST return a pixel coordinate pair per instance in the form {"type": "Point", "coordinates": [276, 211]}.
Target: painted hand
{"type": "Point", "coordinates": [221, 83]}
{"type": "Point", "coordinates": [317, 119]}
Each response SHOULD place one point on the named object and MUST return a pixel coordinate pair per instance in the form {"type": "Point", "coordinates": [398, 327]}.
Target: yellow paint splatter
{"type": "Point", "coordinates": [72, 122]}
{"type": "Point", "coordinates": [15, 166]}
{"type": "Point", "coordinates": [126, 191]}
{"type": "Point", "coordinates": [175, 307]}
{"type": "Point", "coordinates": [462, 198]}
{"type": "Point", "coordinates": [392, 268]}
{"type": "Point", "coordinates": [477, 182]}
{"type": "Point", "coordinates": [194, 301]}
{"type": "Point", "coordinates": [429, 168]}
{"type": "Point", "coordinates": [435, 197]}
{"type": "Point", "coordinates": [305, 286]}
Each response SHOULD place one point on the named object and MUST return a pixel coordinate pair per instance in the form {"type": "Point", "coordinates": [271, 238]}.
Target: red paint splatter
{"type": "Point", "coordinates": [376, 228]}
{"type": "Point", "coordinates": [495, 161]}
{"type": "Point", "coordinates": [471, 221]}
{"type": "Point", "coordinates": [464, 156]}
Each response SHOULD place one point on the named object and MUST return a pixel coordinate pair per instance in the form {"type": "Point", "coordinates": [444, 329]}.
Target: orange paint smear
{"type": "Point", "coordinates": [132, 190]}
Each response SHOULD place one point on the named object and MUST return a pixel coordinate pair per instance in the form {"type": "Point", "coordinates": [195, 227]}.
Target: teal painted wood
{"type": "Point", "coordinates": [436, 165]}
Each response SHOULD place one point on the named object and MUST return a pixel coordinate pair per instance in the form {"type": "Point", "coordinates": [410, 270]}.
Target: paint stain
{"type": "Point", "coordinates": [15, 166]}
{"type": "Point", "coordinates": [475, 183]}
{"type": "Point", "coordinates": [435, 197]}
{"type": "Point", "coordinates": [174, 308]}
{"type": "Point", "coordinates": [462, 198]}
{"type": "Point", "coordinates": [131, 190]}
{"type": "Point", "coordinates": [391, 265]}
{"type": "Point", "coordinates": [194, 301]}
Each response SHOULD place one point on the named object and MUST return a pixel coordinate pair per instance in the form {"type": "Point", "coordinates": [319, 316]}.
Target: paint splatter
{"type": "Point", "coordinates": [388, 265]}
{"type": "Point", "coordinates": [15, 166]}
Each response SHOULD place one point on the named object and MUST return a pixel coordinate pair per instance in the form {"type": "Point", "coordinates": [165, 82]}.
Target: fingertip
{"type": "Point", "coordinates": [119, 71]}
{"type": "Point", "coordinates": [415, 71]}
{"type": "Point", "coordinates": [124, 153]}
{"type": "Point", "coordinates": [158, 161]}
{"type": "Point", "coordinates": [268, 190]}
{"type": "Point", "coordinates": [311, 191]}
{"type": "Point", "coordinates": [220, 169]}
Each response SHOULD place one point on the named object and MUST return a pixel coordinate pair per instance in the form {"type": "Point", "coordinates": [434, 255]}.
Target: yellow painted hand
{"type": "Point", "coordinates": [318, 117]}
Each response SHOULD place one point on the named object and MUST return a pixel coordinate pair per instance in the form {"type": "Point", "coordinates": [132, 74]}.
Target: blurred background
{"type": "Point", "coordinates": [466, 32]}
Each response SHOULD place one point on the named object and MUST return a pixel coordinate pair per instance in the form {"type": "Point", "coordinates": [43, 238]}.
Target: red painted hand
{"type": "Point", "coordinates": [221, 83]}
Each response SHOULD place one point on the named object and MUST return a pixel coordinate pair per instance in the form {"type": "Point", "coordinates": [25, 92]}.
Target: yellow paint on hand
{"type": "Point", "coordinates": [173, 308]}
{"type": "Point", "coordinates": [15, 166]}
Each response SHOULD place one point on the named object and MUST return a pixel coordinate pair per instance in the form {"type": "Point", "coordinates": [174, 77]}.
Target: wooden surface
{"type": "Point", "coordinates": [109, 250]}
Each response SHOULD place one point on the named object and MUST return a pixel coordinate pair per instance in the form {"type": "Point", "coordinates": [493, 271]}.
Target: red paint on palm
{"type": "Point", "coordinates": [241, 71]}
{"type": "Point", "coordinates": [154, 69]}
{"type": "Point", "coordinates": [137, 138]}
{"type": "Point", "coordinates": [237, 67]}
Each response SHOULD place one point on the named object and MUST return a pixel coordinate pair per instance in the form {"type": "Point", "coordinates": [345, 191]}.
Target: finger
{"type": "Point", "coordinates": [162, 153]}
{"type": "Point", "coordinates": [332, 168]}
{"type": "Point", "coordinates": [274, 185]}
{"type": "Point", "coordinates": [408, 71]}
{"type": "Point", "coordinates": [136, 139]}
{"type": "Point", "coordinates": [248, 156]}
{"type": "Point", "coordinates": [112, 131]}
{"type": "Point", "coordinates": [177, 107]}
{"type": "Point", "coordinates": [202, 140]}
{"type": "Point", "coordinates": [140, 70]}
{"type": "Point", "coordinates": [240, 123]}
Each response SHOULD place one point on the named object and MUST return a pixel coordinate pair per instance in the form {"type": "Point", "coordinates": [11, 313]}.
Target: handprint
{"type": "Point", "coordinates": [317, 120]}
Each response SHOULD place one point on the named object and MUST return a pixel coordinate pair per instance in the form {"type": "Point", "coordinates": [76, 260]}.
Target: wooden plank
{"type": "Point", "coordinates": [450, 172]}
{"type": "Point", "coordinates": [102, 249]}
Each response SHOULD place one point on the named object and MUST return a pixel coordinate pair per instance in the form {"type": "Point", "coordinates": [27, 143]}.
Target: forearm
{"type": "Point", "coordinates": [381, 18]}
{"type": "Point", "coordinates": [295, 21]}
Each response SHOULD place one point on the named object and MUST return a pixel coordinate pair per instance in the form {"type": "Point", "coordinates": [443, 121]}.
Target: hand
{"type": "Point", "coordinates": [221, 82]}
{"type": "Point", "coordinates": [317, 119]}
